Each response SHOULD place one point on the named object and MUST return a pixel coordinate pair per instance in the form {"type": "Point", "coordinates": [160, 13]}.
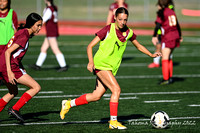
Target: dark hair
{"type": "Point", "coordinates": [30, 21]}
{"type": "Point", "coordinates": [121, 10]}
{"type": "Point", "coordinates": [9, 3]}
{"type": "Point", "coordinates": [52, 3]}
{"type": "Point", "coordinates": [164, 4]}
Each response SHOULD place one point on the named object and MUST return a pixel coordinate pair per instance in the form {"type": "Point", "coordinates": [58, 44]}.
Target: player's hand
{"type": "Point", "coordinates": [156, 54]}
{"type": "Point", "coordinates": [154, 40]}
{"type": "Point", "coordinates": [90, 66]}
{"type": "Point", "coordinates": [181, 39]}
{"type": "Point", "coordinates": [11, 78]}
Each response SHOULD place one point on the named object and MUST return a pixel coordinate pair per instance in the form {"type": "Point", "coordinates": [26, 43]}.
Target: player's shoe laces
{"type": "Point", "coordinates": [65, 108]}
{"type": "Point", "coordinates": [16, 114]}
{"type": "Point", "coordinates": [116, 125]}
{"type": "Point", "coordinates": [153, 65]}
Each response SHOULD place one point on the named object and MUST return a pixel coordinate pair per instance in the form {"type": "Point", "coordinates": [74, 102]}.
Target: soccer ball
{"type": "Point", "coordinates": [159, 119]}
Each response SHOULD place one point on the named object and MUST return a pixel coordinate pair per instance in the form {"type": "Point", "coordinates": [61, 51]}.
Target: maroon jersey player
{"type": "Point", "coordinates": [170, 39]}
{"type": "Point", "coordinates": [12, 70]}
{"type": "Point", "coordinates": [51, 22]}
{"type": "Point", "coordinates": [112, 8]}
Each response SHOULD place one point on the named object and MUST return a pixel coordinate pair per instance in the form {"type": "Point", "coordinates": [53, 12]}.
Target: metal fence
{"type": "Point", "coordinates": [88, 10]}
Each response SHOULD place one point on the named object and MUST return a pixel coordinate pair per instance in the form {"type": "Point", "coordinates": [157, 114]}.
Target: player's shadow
{"type": "Point", "coordinates": [127, 58]}
{"type": "Point", "coordinates": [34, 117]}
{"type": "Point", "coordinates": [126, 118]}
{"type": "Point", "coordinates": [178, 79]}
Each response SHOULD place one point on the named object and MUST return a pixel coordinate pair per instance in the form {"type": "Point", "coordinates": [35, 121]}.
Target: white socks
{"type": "Point", "coordinates": [61, 60]}
{"type": "Point", "coordinates": [72, 103]}
{"type": "Point", "coordinates": [41, 59]}
{"type": "Point", "coordinates": [113, 118]}
{"type": "Point", "coordinates": [156, 60]}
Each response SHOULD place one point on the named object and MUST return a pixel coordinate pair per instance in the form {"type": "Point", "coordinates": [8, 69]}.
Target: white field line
{"type": "Point", "coordinates": [122, 94]}
{"type": "Point", "coordinates": [88, 122]}
{"type": "Point", "coordinates": [122, 65]}
{"type": "Point", "coordinates": [162, 101]}
{"type": "Point", "coordinates": [6, 89]}
{"type": "Point", "coordinates": [119, 77]}
{"type": "Point", "coordinates": [81, 56]}
{"type": "Point", "coordinates": [123, 98]}
{"type": "Point", "coordinates": [194, 105]}
{"type": "Point", "coordinates": [50, 92]}
{"type": "Point", "coordinates": [191, 39]}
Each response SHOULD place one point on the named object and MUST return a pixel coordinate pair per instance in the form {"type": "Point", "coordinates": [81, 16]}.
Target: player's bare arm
{"type": "Point", "coordinates": [8, 52]}
{"type": "Point", "coordinates": [94, 42]}
{"type": "Point", "coordinates": [144, 50]}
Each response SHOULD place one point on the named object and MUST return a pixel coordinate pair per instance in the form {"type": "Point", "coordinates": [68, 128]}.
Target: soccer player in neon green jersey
{"type": "Point", "coordinates": [113, 39]}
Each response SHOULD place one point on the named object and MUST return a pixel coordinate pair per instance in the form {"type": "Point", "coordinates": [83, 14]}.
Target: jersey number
{"type": "Point", "coordinates": [172, 20]}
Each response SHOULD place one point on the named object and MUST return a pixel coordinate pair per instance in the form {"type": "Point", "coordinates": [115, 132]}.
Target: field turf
{"type": "Point", "coordinates": [141, 95]}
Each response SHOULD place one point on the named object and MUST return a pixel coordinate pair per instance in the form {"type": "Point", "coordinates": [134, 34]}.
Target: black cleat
{"type": "Point", "coordinates": [171, 80]}
{"type": "Point", "coordinates": [16, 114]}
{"type": "Point", "coordinates": [35, 67]}
{"type": "Point", "coordinates": [62, 69]}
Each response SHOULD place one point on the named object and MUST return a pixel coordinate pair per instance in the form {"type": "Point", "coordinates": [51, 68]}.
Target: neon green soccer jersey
{"type": "Point", "coordinates": [6, 28]}
{"type": "Point", "coordinates": [110, 52]}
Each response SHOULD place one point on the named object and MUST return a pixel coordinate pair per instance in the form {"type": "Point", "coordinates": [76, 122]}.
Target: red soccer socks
{"type": "Point", "coordinates": [22, 101]}
{"type": "Point", "coordinates": [2, 104]}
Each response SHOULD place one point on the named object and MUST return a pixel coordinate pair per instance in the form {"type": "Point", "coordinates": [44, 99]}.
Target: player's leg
{"type": "Point", "coordinates": [156, 60]}
{"type": "Point", "coordinates": [100, 89]}
{"type": "Point", "coordinates": [59, 55]}
{"type": "Point", "coordinates": [171, 67]}
{"type": "Point", "coordinates": [34, 89]}
{"type": "Point", "coordinates": [42, 56]}
{"type": "Point", "coordinates": [6, 98]}
{"type": "Point", "coordinates": [13, 91]}
{"type": "Point", "coordinates": [166, 52]}
{"type": "Point", "coordinates": [108, 79]}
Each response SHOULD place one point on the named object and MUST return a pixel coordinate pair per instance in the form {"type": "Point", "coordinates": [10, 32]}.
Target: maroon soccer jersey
{"type": "Point", "coordinates": [169, 25]}
{"type": "Point", "coordinates": [120, 34]}
{"type": "Point", "coordinates": [21, 38]}
{"type": "Point", "coordinates": [113, 7]}
{"type": "Point", "coordinates": [14, 18]}
{"type": "Point", "coordinates": [52, 23]}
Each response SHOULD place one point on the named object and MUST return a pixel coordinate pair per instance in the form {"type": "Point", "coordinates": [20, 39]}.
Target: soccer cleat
{"type": "Point", "coordinates": [164, 82]}
{"type": "Point", "coordinates": [62, 69]}
{"type": "Point", "coordinates": [65, 108]}
{"type": "Point", "coordinates": [171, 80]}
{"type": "Point", "coordinates": [153, 65]}
{"type": "Point", "coordinates": [116, 125]}
{"type": "Point", "coordinates": [16, 114]}
{"type": "Point", "coordinates": [35, 67]}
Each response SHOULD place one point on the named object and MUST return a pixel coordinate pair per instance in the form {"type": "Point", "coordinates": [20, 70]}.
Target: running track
{"type": "Point", "coordinates": [90, 28]}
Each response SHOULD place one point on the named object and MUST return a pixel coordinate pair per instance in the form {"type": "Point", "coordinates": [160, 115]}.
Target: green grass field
{"type": "Point", "coordinates": [141, 96]}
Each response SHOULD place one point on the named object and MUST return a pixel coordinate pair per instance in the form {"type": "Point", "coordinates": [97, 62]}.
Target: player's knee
{"type": "Point", "coordinates": [116, 91]}
{"type": "Point", "coordinates": [37, 88]}
{"type": "Point", "coordinates": [97, 98]}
